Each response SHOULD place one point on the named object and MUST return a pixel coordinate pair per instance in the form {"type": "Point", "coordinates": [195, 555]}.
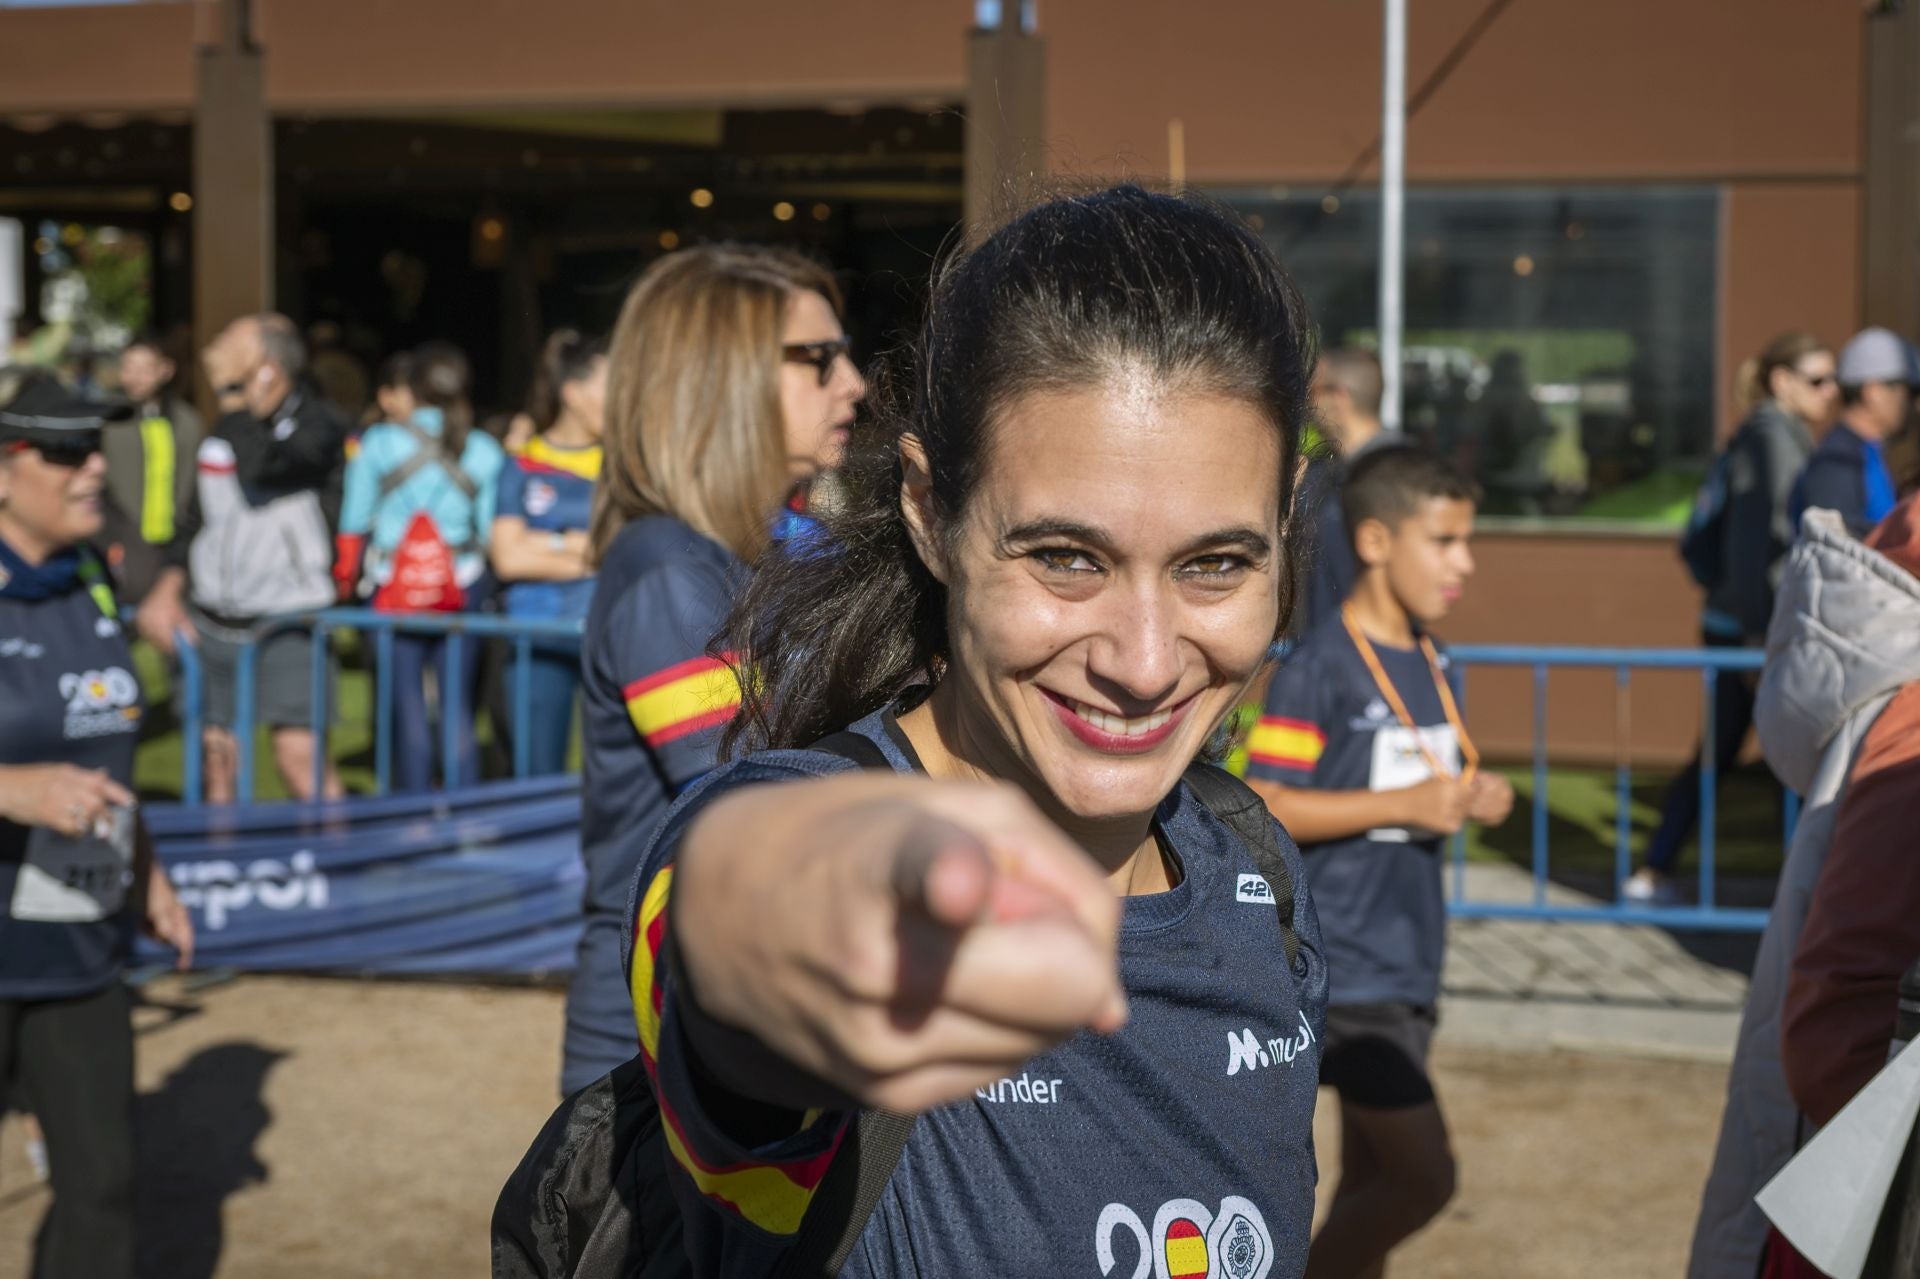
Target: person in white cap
{"type": "Point", "coordinates": [1879, 374]}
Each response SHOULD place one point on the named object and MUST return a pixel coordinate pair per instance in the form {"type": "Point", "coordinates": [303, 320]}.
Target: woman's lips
{"type": "Point", "coordinates": [1113, 734]}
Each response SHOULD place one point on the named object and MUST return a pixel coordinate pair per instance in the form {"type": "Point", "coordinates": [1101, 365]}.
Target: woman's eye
{"type": "Point", "coordinates": [1213, 566]}
{"type": "Point", "coordinates": [1064, 560]}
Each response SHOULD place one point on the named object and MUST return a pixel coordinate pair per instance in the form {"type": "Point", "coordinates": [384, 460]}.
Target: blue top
{"type": "Point", "coordinates": [551, 488]}
{"type": "Point", "coordinates": [67, 696]}
{"type": "Point", "coordinates": [1182, 1145]}
{"type": "Point", "coordinates": [464, 522]}
{"type": "Point", "coordinates": [1326, 727]}
{"type": "Point", "coordinates": [1848, 474]}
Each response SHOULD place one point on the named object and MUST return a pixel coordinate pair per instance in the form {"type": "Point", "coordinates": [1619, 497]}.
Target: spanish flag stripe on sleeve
{"type": "Point", "coordinates": [771, 1196]}
{"type": "Point", "coordinates": [648, 930]}
{"type": "Point", "coordinates": [1285, 743]}
{"type": "Point", "coordinates": [683, 699]}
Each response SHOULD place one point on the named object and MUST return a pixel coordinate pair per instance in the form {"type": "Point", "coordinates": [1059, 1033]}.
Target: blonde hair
{"type": "Point", "coordinates": [694, 427]}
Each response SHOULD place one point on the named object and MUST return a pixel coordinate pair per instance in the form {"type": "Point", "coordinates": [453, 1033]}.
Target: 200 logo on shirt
{"type": "Point", "coordinates": [1189, 1241]}
{"type": "Point", "coordinates": [100, 703]}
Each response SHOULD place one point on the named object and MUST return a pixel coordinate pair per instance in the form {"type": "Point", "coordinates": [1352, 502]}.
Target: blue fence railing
{"type": "Point", "coordinates": [1706, 912]}
{"type": "Point", "coordinates": [465, 633]}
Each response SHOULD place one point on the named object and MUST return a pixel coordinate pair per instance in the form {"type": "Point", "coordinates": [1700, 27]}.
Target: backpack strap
{"type": "Point", "coordinates": [871, 1149]}
{"type": "Point", "coordinates": [858, 747]}
{"type": "Point", "coordinates": [848, 1194]}
{"type": "Point", "coordinates": [427, 452]}
{"type": "Point", "coordinates": [1241, 808]}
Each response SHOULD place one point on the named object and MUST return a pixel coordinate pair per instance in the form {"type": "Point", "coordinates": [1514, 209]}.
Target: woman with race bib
{"type": "Point", "coordinates": [999, 896]}
{"type": "Point", "coordinates": [76, 863]}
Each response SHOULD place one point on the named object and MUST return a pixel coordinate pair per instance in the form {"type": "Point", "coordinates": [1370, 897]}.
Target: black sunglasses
{"type": "Point", "coordinates": [1824, 379]}
{"type": "Point", "coordinates": [822, 355]}
{"type": "Point", "coordinates": [71, 454]}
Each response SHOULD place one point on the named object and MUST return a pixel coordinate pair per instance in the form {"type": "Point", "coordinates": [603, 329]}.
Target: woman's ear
{"type": "Point", "coordinates": [917, 505]}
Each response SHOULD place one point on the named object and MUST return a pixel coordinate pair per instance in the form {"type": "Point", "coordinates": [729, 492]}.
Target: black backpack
{"type": "Point", "coordinates": [1703, 543]}
{"type": "Point", "coordinates": [590, 1199]}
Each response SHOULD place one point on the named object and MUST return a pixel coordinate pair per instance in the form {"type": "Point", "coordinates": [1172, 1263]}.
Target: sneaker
{"type": "Point", "coordinates": [1650, 888]}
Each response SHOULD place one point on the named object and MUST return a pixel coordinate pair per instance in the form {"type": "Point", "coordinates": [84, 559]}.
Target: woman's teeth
{"type": "Point", "coordinates": [1119, 725]}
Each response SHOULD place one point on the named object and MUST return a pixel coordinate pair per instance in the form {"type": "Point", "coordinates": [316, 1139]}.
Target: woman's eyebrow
{"type": "Point", "coordinates": [1247, 539]}
{"type": "Point", "coordinates": [1056, 530]}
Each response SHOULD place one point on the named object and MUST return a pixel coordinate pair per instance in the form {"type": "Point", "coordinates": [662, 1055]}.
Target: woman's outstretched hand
{"type": "Point", "coordinates": [902, 941]}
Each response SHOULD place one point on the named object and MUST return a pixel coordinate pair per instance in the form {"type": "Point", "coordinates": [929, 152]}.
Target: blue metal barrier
{"type": "Point", "coordinates": [459, 628]}
{"type": "Point", "coordinates": [1710, 663]}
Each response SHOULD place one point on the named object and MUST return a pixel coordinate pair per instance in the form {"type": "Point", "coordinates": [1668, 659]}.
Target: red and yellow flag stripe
{"type": "Point", "coordinates": [683, 699]}
{"type": "Point", "coordinates": [772, 1196]}
{"type": "Point", "coordinates": [1285, 743]}
{"type": "Point", "coordinates": [541, 456]}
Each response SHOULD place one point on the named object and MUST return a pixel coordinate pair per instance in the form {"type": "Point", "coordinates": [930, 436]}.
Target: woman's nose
{"type": "Point", "coordinates": [1139, 653]}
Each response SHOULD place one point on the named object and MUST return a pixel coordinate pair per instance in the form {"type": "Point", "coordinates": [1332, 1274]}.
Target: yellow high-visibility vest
{"type": "Point", "coordinates": [156, 505]}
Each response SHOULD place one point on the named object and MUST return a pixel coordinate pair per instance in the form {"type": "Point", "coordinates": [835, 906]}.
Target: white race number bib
{"type": "Point", "coordinates": [1398, 762]}
{"type": "Point", "coordinates": [73, 881]}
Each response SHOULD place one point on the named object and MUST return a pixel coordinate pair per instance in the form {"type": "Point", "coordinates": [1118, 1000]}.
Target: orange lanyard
{"type": "Point", "coordinates": [1469, 755]}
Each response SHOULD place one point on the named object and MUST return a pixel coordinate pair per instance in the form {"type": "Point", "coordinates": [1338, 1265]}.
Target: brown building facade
{"type": "Point", "coordinates": [1615, 203]}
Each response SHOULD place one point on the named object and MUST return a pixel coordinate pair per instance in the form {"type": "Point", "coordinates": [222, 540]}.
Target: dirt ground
{"type": "Point", "coordinates": [319, 1128]}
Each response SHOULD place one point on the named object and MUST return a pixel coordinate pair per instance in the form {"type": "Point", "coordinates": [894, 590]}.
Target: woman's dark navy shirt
{"type": "Point", "coordinates": [1182, 1145]}
{"type": "Point", "coordinates": [68, 695]}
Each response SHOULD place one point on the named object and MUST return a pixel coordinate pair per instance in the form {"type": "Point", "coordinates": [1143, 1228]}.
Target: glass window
{"type": "Point", "coordinates": [1559, 340]}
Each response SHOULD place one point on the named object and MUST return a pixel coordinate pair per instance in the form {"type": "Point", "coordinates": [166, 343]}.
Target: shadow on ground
{"type": "Point", "coordinates": [197, 1134]}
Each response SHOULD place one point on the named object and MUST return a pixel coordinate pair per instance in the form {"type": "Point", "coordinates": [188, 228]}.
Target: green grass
{"type": "Point", "coordinates": [1581, 811]}
{"type": "Point", "coordinates": [158, 765]}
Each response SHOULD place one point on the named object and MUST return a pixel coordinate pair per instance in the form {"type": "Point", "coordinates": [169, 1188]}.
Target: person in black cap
{"type": "Point", "coordinates": [76, 862]}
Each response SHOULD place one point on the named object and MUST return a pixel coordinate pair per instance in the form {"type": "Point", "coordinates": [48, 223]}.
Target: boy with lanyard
{"type": "Point", "coordinates": [1362, 754]}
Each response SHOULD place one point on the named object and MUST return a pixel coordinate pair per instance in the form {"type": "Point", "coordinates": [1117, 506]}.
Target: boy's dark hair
{"type": "Point", "coordinates": [1389, 484]}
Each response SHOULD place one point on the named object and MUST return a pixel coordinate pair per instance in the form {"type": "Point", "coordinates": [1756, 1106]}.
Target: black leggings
{"type": "Point", "coordinates": [70, 1061]}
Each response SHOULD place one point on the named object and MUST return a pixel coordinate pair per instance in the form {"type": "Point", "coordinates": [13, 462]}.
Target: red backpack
{"type": "Point", "coordinates": [423, 579]}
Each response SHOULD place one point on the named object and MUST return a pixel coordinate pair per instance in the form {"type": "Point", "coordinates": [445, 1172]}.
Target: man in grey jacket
{"type": "Point", "coordinates": [255, 540]}
{"type": "Point", "coordinates": [1845, 636]}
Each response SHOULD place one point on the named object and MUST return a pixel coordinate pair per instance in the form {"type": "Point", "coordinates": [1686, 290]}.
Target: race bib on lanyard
{"type": "Point", "coordinates": [67, 880]}
{"type": "Point", "coordinates": [1402, 757]}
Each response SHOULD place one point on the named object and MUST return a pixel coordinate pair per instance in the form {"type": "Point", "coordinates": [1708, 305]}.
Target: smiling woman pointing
{"type": "Point", "coordinates": [1028, 918]}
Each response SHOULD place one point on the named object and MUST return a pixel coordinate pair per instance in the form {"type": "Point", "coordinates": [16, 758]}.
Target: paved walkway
{"type": "Point", "coordinates": [1588, 987]}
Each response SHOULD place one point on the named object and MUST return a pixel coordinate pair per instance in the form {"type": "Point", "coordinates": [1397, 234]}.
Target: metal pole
{"type": "Point", "coordinates": [1393, 190]}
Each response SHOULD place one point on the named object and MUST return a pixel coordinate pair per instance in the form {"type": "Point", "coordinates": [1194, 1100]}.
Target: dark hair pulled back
{"type": "Point", "coordinates": [441, 379]}
{"type": "Point", "coordinates": [1075, 292]}
{"type": "Point", "coordinates": [567, 357]}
